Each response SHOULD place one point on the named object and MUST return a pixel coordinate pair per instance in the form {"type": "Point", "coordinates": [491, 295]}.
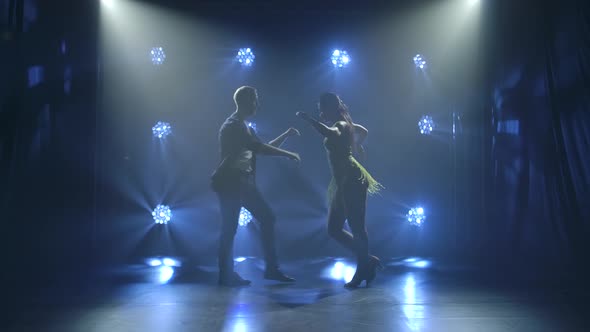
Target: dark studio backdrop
{"type": "Point", "coordinates": [81, 170]}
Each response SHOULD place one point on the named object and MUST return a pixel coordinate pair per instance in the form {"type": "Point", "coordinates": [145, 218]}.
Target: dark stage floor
{"type": "Point", "coordinates": [409, 295]}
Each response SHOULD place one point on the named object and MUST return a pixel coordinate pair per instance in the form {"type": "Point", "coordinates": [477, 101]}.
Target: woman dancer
{"type": "Point", "coordinates": [350, 183]}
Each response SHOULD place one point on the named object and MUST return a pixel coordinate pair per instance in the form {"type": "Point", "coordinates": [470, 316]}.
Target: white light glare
{"type": "Point", "coordinates": [170, 262]}
{"type": "Point", "coordinates": [165, 274]}
{"type": "Point", "coordinates": [416, 216]}
{"type": "Point", "coordinates": [154, 262]}
{"type": "Point", "coordinates": [426, 125]}
{"type": "Point", "coordinates": [340, 58]}
{"type": "Point", "coordinates": [107, 3]}
{"type": "Point", "coordinates": [162, 214]}
{"type": "Point", "coordinates": [245, 217]}
{"type": "Point", "coordinates": [342, 271]}
{"type": "Point", "coordinates": [245, 57]}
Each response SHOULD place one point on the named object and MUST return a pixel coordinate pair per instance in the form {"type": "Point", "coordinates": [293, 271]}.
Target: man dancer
{"type": "Point", "coordinates": [239, 147]}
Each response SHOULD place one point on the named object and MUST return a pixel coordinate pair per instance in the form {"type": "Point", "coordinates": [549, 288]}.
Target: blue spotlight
{"type": "Point", "coordinates": [419, 61]}
{"type": "Point", "coordinates": [162, 214]}
{"type": "Point", "coordinates": [245, 217]}
{"type": "Point", "coordinates": [161, 129]}
{"type": "Point", "coordinates": [340, 58]}
{"type": "Point", "coordinates": [158, 56]}
{"type": "Point", "coordinates": [245, 57]}
{"type": "Point", "coordinates": [252, 125]}
{"type": "Point", "coordinates": [426, 125]}
{"type": "Point", "coordinates": [416, 216]}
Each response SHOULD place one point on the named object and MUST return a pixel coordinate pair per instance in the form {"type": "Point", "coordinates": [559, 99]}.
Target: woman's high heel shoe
{"type": "Point", "coordinates": [359, 276]}
{"type": "Point", "coordinates": [367, 273]}
{"type": "Point", "coordinates": [374, 265]}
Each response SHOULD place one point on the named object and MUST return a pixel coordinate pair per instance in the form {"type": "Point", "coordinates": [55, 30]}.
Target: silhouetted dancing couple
{"type": "Point", "coordinates": [234, 183]}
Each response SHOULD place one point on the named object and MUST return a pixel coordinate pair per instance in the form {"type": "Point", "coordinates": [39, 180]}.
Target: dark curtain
{"type": "Point", "coordinates": [47, 136]}
{"type": "Point", "coordinates": [538, 179]}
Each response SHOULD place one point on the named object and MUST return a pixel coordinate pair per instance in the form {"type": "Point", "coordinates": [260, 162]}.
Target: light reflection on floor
{"type": "Point", "coordinates": [163, 268]}
{"type": "Point", "coordinates": [404, 297]}
{"type": "Point", "coordinates": [413, 310]}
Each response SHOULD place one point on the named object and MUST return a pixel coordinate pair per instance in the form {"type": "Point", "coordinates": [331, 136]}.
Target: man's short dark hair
{"type": "Point", "coordinates": [244, 94]}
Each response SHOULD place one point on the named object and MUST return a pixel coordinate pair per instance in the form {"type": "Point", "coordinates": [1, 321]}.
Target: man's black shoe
{"type": "Point", "coordinates": [277, 275]}
{"type": "Point", "coordinates": [233, 280]}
